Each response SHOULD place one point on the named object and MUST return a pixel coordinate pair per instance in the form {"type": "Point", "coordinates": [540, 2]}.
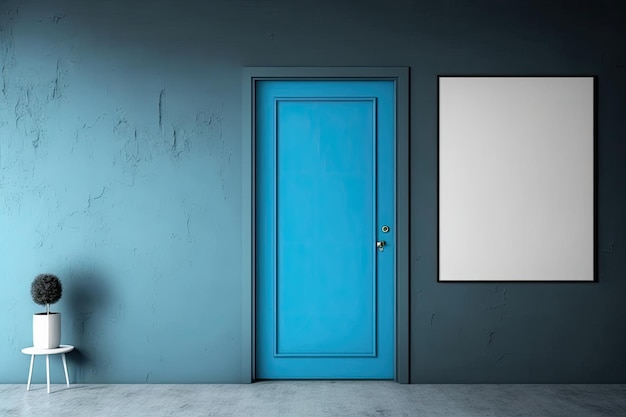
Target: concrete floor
{"type": "Point", "coordinates": [315, 398]}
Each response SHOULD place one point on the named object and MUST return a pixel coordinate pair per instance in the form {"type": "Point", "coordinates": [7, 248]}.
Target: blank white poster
{"type": "Point", "coordinates": [516, 178]}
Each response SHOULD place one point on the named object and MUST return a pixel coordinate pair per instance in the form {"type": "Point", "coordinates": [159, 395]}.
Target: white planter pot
{"type": "Point", "coordinates": [46, 330]}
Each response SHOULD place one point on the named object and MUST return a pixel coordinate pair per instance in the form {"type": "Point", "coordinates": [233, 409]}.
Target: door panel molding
{"type": "Point", "coordinates": [331, 145]}
{"type": "Point", "coordinates": [400, 76]}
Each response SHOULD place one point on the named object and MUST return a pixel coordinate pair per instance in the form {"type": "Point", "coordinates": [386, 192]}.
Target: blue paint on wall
{"type": "Point", "coordinates": [120, 171]}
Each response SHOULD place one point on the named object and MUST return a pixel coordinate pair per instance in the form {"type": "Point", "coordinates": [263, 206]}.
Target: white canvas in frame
{"type": "Point", "coordinates": [516, 178]}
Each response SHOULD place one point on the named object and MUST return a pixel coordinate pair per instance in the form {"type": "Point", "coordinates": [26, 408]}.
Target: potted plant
{"type": "Point", "coordinates": [46, 289]}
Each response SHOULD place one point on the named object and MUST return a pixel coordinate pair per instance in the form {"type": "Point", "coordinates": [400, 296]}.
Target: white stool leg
{"type": "Point", "coordinates": [30, 371]}
{"type": "Point", "coordinates": [48, 371]}
{"type": "Point", "coordinates": [67, 378]}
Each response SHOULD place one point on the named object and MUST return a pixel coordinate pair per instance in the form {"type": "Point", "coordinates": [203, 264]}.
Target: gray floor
{"type": "Point", "coordinates": [315, 398]}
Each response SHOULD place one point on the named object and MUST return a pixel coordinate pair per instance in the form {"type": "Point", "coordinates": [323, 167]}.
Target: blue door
{"type": "Point", "coordinates": [325, 229]}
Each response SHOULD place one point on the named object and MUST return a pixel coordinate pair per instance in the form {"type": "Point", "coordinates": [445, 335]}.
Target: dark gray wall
{"type": "Point", "coordinates": [120, 170]}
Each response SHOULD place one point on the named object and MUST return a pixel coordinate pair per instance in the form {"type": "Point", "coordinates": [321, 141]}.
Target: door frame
{"type": "Point", "coordinates": [400, 76]}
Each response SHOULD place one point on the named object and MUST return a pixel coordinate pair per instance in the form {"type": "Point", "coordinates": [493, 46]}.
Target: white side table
{"type": "Point", "coordinates": [33, 351]}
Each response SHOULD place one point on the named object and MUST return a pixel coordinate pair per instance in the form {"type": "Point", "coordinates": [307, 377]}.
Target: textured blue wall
{"type": "Point", "coordinates": [120, 171]}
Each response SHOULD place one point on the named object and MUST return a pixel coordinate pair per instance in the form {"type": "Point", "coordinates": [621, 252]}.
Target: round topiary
{"type": "Point", "coordinates": [46, 289]}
